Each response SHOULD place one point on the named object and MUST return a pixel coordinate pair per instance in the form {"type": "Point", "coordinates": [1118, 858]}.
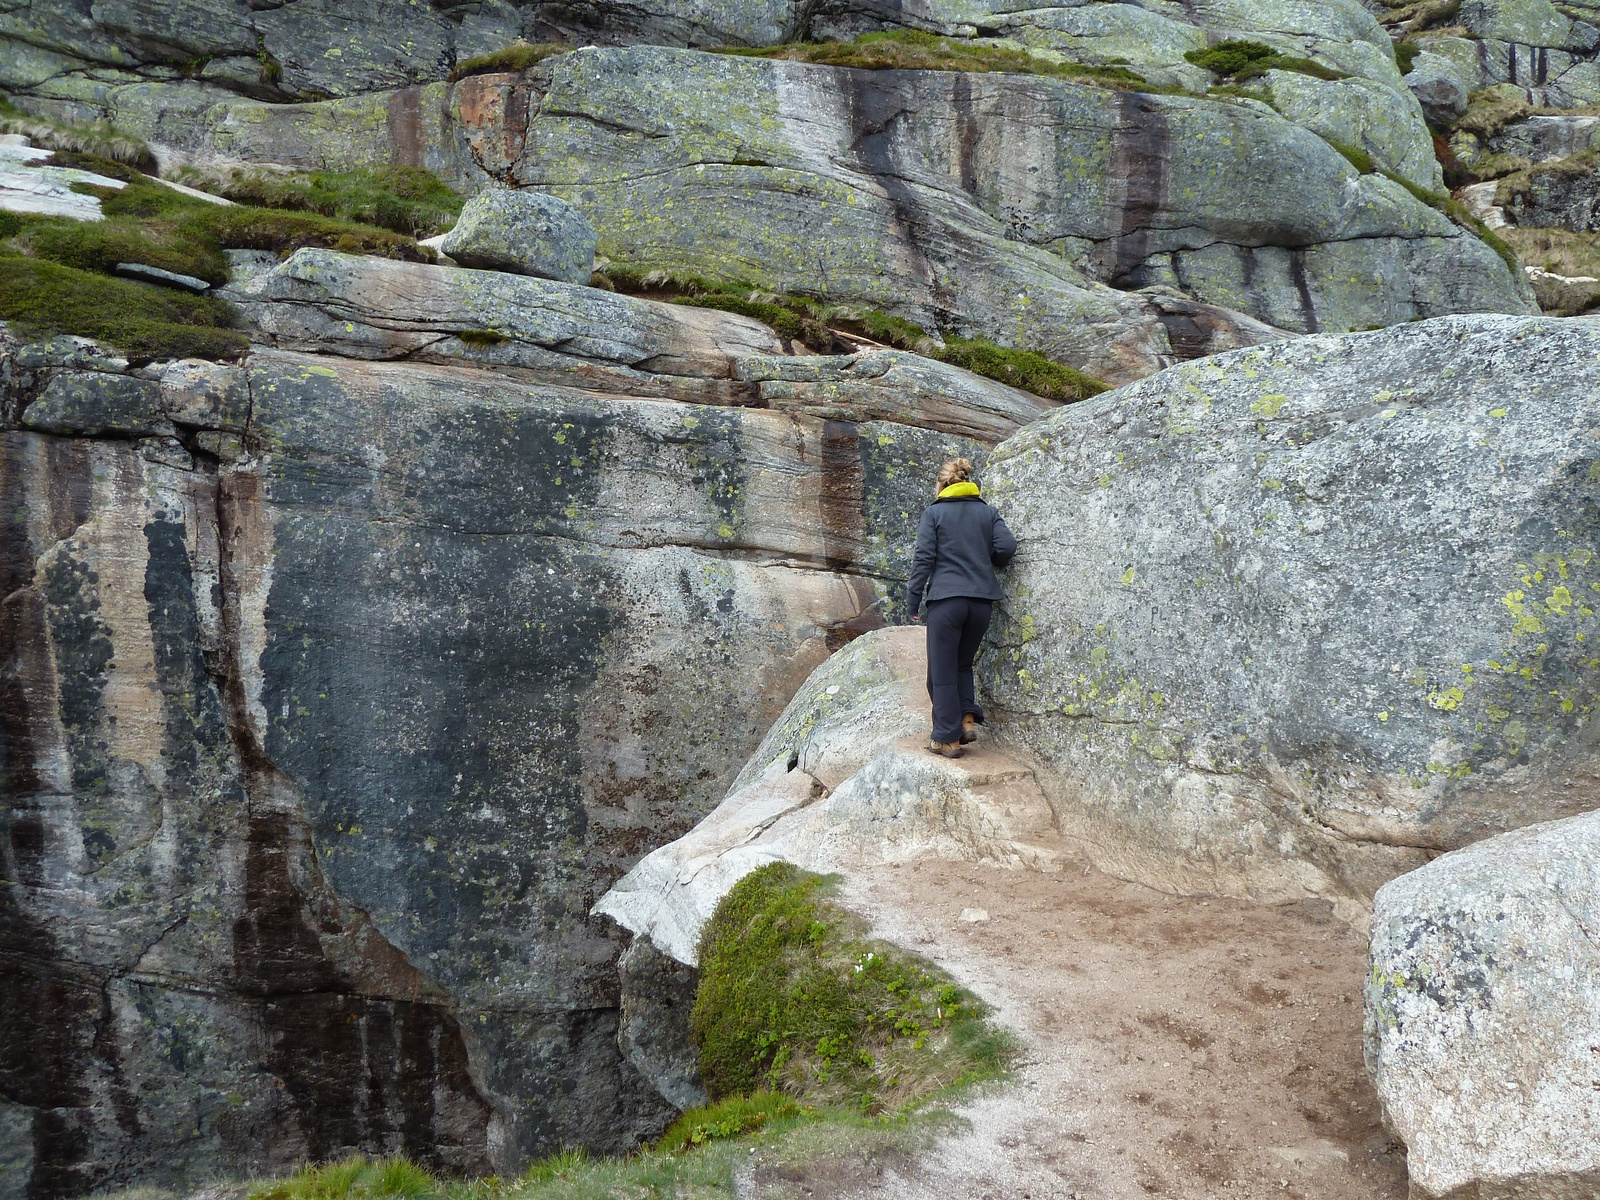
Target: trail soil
{"type": "Point", "coordinates": [1175, 1047]}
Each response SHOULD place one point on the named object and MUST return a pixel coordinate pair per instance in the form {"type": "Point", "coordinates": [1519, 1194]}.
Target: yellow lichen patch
{"type": "Point", "coordinates": [1269, 405]}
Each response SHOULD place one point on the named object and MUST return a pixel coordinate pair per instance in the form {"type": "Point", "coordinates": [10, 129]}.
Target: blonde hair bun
{"type": "Point", "coordinates": [957, 470]}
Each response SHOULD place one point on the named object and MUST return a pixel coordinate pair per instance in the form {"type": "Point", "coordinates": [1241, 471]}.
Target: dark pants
{"type": "Point", "coordinates": [955, 627]}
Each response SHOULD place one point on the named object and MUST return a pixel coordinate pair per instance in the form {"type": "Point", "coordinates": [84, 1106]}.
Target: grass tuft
{"type": "Point", "coordinates": [1241, 60]}
{"type": "Point", "coordinates": [100, 140]}
{"type": "Point", "coordinates": [355, 1178]}
{"type": "Point", "coordinates": [732, 1117]}
{"type": "Point", "coordinates": [518, 56]}
{"type": "Point", "coordinates": [1025, 369]}
{"type": "Point", "coordinates": [405, 200]}
{"type": "Point", "coordinates": [794, 997]}
{"type": "Point", "coordinates": [913, 50]}
{"type": "Point", "coordinates": [146, 322]}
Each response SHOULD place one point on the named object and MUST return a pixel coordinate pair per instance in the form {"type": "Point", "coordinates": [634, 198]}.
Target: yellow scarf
{"type": "Point", "coordinates": [965, 488]}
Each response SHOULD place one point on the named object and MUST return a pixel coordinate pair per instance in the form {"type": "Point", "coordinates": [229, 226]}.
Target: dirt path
{"type": "Point", "coordinates": [1177, 1048]}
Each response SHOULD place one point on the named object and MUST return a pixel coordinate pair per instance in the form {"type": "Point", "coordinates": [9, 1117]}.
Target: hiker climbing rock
{"type": "Point", "coordinates": [960, 543]}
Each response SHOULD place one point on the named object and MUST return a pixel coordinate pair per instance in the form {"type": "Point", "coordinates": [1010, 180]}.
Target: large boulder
{"type": "Point", "coordinates": [524, 232]}
{"type": "Point", "coordinates": [1290, 621]}
{"type": "Point", "coordinates": [336, 691]}
{"type": "Point", "coordinates": [1483, 1016]}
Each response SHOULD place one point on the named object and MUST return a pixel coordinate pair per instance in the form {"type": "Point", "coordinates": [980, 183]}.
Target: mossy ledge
{"type": "Point", "coordinates": [842, 329]}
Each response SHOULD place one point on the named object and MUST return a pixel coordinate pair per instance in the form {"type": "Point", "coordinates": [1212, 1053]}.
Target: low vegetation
{"type": "Point", "coordinates": [823, 1048]}
{"type": "Point", "coordinates": [829, 328]}
{"type": "Point", "coordinates": [912, 50]}
{"type": "Point", "coordinates": [1572, 260]}
{"type": "Point", "coordinates": [1241, 60]}
{"type": "Point", "coordinates": [405, 200]}
{"type": "Point", "coordinates": [102, 141]}
{"type": "Point", "coordinates": [56, 274]}
{"type": "Point", "coordinates": [518, 56]}
{"type": "Point", "coordinates": [794, 997]}
{"type": "Point", "coordinates": [1414, 16]}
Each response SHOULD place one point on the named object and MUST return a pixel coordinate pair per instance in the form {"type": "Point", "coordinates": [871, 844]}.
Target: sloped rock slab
{"type": "Point", "coordinates": [1483, 1016]}
{"type": "Point", "coordinates": [842, 782]}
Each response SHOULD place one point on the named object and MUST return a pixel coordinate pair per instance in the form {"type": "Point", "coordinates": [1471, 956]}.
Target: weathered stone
{"type": "Point", "coordinates": [1545, 139]}
{"type": "Point", "coordinates": [524, 232]}
{"type": "Point", "coordinates": [353, 717]}
{"type": "Point", "coordinates": [1439, 87]}
{"type": "Point", "coordinates": [841, 782]}
{"type": "Point", "coordinates": [657, 993]}
{"type": "Point", "coordinates": [1483, 1013]}
{"type": "Point", "coordinates": [1289, 620]}
{"type": "Point", "coordinates": [26, 186]}
{"type": "Point", "coordinates": [149, 274]}
{"type": "Point", "coordinates": [1561, 195]}
{"type": "Point", "coordinates": [94, 403]}
{"type": "Point", "coordinates": [580, 336]}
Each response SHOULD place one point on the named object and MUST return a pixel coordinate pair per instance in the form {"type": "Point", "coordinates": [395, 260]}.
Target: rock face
{"type": "Point", "coordinates": [1034, 211]}
{"type": "Point", "coordinates": [1562, 195]}
{"type": "Point", "coordinates": [336, 690]}
{"type": "Point", "coordinates": [1483, 1012]}
{"type": "Point", "coordinates": [842, 782]}
{"type": "Point", "coordinates": [1291, 620]}
{"type": "Point", "coordinates": [523, 232]}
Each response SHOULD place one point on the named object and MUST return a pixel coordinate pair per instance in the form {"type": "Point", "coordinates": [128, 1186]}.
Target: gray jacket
{"type": "Point", "coordinates": [959, 544]}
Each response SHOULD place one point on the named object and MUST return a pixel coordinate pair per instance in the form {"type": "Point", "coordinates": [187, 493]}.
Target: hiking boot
{"type": "Point", "coordinates": [969, 729]}
{"type": "Point", "coordinates": [946, 749]}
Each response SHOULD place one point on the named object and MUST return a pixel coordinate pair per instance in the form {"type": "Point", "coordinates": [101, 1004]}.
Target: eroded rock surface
{"type": "Point", "coordinates": [340, 689]}
{"type": "Point", "coordinates": [1291, 620]}
{"type": "Point", "coordinates": [524, 232]}
{"type": "Point", "coordinates": [1482, 1015]}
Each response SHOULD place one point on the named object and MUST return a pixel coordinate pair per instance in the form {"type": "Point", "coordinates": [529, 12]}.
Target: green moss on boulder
{"type": "Point", "coordinates": [794, 997]}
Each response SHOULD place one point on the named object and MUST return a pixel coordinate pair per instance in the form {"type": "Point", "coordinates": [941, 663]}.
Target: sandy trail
{"type": "Point", "coordinates": [1176, 1047]}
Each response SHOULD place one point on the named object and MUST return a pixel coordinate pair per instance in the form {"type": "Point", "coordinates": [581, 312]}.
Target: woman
{"type": "Point", "coordinates": [960, 543]}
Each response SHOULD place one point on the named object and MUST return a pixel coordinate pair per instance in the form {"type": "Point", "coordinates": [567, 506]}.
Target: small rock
{"type": "Point", "coordinates": [150, 274]}
{"type": "Point", "coordinates": [974, 916]}
{"type": "Point", "coordinates": [93, 404]}
{"type": "Point", "coordinates": [527, 233]}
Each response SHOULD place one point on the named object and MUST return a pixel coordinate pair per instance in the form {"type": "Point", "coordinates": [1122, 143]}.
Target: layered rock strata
{"type": "Point", "coordinates": [1293, 620]}
{"type": "Point", "coordinates": [335, 691]}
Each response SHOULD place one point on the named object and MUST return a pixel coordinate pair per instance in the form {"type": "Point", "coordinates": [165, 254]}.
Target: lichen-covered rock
{"type": "Point", "coordinates": [841, 782]}
{"type": "Point", "coordinates": [524, 232]}
{"type": "Point", "coordinates": [1560, 195]}
{"type": "Point", "coordinates": [334, 694]}
{"type": "Point", "coordinates": [1483, 1015]}
{"type": "Point", "coordinates": [1440, 87]}
{"type": "Point", "coordinates": [319, 300]}
{"type": "Point", "coordinates": [1288, 621]}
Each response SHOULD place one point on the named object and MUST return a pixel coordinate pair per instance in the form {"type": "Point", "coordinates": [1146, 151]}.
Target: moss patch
{"type": "Point", "coordinates": [355, 1178]}
{"type": "Point", "coordinates": [145, 322]}
{"type": "Point", "coordinates": [1241, 60]}
{"type": "Point", "coordinates": [1025, 369]}
{"type": "Point", "coordinates": [732, 1117]}
{"type": "Point", "coordinates": [405, 200]}
{"type": "Point", "coordinates": [518, 56]}
{"type": "Point", "coordinates": [795, 998]}
{"type": "Point", "coordinates": [912, 50]}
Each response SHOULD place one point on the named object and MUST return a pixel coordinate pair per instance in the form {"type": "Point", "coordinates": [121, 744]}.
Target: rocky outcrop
{"type": "Point", "coordinates": [1561, 195]}
{"type": "Point", "coordinates": [1482, 1016]}
{"type": "Point", "coordinates": [841, 782]}
{"type": "Point", "coordinates": [1293, 620]}
{"type": "Point", "coordinates": [337, 689]}
{"type": "Point", "coordinates": [523, 232]}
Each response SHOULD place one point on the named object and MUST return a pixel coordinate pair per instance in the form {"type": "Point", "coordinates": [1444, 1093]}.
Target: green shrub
{"type": "Point", "coordinates": [732, 1117]}
{"type": "Point", "coordinates": [1025, 369]}
{"type": "Point", "coordinates": [793, 997]}
{"type": "Point", "coordinates": [1240, 60]}
{"type": "Point", "coordinates": [406, 200]}
{"type": "Point", "coordinates": [1405, 55]}
{"type": "Point", "coordinates": [142, 320]}
{"type": "Point", "coordinates": [518, 56]}
{"type": "Point", "coordinates": [912, 50]}
{"type": "Point", "coordinates": [355, 1178]}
